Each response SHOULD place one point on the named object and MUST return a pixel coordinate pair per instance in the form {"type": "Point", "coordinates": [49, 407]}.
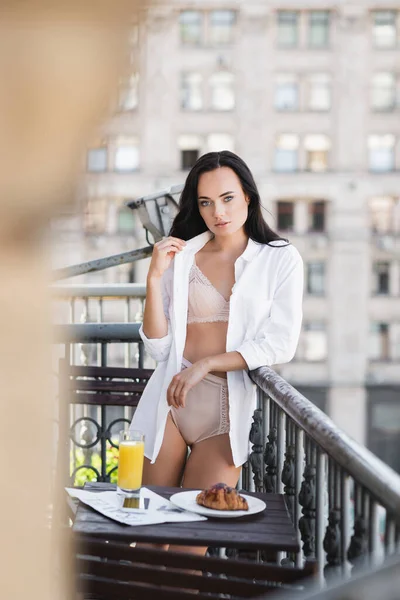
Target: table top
{"type": "Point", "coordinates": [270, 530]}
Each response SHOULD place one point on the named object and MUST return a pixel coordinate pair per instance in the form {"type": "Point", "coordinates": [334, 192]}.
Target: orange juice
{"type": "Point", "coordinates": [130, 464]}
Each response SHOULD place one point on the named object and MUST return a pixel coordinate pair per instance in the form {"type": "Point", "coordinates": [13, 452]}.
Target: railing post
{"type": "Point", "coordinates": [270, 462]}
{"type": "Point", "coordinates": [320, 508]}
{"type": "Point", "coordinates": [345, 520]}
{"type": "Point", "coordinates": [299, 454]}
{"type": "Point", "coordinates": [280, 448]}
{"type": "Point", "coordinates": [333, 539]}
{"type": "Point", "coordinates": [390, 535]}
{"type": "Point", "coordinates": [288, 477]}
{"type": "Point", "coordinates": [103, 449]}
{"type": "Point", "coordinates": [256, 456]}
{"type": "Point", "coordinates": [307, 501]}
{"type": "Point", "coordinates": [373, 530]}
{"type": "Point", "coordinates": [358, 547]}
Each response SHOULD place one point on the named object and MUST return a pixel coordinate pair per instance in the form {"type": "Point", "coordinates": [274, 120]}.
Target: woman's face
{"type": "Point", "coordinates": [222, 202]}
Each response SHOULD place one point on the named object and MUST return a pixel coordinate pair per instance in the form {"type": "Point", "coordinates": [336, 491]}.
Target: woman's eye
{"type": "Point", "coordinates": [228, 198]}
{"type": "Point", "coordinates": [204, 203]}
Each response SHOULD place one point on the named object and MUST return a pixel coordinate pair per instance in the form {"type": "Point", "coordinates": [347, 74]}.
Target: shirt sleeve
{"type": "Point", "coordinates": [159, 348]}
{"type": "Point", "coordinates": [279, 333]}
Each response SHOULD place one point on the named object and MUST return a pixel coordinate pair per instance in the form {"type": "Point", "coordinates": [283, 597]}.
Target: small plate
{"type": "Point", "coordinates": [187, 501]}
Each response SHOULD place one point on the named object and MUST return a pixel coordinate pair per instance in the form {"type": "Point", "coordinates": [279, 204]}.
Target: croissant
{"type": "Point", "coordinates": [222, 497]}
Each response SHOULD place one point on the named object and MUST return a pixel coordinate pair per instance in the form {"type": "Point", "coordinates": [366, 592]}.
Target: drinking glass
{"type": "Point", "coordinates": [130, 462]}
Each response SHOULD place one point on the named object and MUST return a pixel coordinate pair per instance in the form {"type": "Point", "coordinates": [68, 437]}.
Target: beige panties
{"type": "Point", "coordinates": [206, 412]}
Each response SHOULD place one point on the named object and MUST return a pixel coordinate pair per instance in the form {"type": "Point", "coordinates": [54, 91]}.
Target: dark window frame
{"type": "Point", "coordinates": [317, 216]}
{"type": "Point", "coordinates": [317, 273]}
{"type": "Point", "coordinates": [319, 17]}
{"type": "Point", "coordinates": [285, 207]}
{"type": "Point", "coordinates": [188, 160]}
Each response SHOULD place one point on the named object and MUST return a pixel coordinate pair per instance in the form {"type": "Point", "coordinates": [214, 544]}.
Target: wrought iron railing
{"type": "Point", "coordinates": [343, 499]}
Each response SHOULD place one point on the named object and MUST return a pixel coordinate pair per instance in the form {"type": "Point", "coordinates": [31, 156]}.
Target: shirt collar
{"type": "Point", "coordinates": [252, 249]}
{"type": "Point", "coordinates": [196, 243]}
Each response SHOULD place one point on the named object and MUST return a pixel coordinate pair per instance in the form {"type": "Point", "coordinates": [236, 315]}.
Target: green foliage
{"type": "Point", "coordinates": [86, 474]}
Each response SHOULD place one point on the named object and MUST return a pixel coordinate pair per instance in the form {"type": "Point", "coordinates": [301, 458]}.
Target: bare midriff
{"type": "Point", "coordinates": [206, 339]}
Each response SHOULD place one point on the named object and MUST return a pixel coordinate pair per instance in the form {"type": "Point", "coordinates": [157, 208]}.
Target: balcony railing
{"type": "Point", "coordinates": [343, 499]}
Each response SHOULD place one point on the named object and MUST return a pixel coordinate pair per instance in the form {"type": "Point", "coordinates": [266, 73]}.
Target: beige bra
{"type": "Point", "coordinates": [206, 304]}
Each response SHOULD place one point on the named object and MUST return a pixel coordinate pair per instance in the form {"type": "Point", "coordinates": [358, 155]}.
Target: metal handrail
{"type": "Point", "coordinates": [96, 332]}
{"type": "Point", "coordinates": [99, 264]}
{"type": "Point", "coordinates": [156, 212]}
{"type": "Point", "coordinates": [94, 290]}
{"type": "Point", "coordinates": [356, 460]}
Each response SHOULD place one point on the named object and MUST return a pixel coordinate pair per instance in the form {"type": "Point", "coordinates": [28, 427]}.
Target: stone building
{"type": "Point", "coordinates": [308, 93]}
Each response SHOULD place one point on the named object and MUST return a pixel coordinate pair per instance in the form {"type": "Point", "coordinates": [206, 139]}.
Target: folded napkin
{"type": "Point", "coordinates": [159, 510]}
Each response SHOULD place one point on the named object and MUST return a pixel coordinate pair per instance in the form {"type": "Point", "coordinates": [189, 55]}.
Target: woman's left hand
{"type": "Point", "coordinates": [183, 382]}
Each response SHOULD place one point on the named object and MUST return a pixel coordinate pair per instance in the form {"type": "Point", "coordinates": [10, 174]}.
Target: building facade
{"type": "Point", "coordinates": [308, 93]}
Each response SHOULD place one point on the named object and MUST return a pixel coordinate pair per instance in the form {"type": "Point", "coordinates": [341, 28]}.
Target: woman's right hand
{"type": "Point", "coordinates": [163, 254]}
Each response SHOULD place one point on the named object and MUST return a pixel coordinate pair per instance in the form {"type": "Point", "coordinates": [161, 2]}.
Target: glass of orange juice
{"type": "Point", "coordinates": [130, 462]}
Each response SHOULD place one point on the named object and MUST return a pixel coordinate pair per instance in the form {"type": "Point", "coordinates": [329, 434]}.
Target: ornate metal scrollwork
{"type": "Point", "coordinates": [270, 462]}
{"type": "Point", "coordinates": [256, 457]}
{"type": "Point", "coordinates": [307, 521]}
{"type": "Point", "coordinates": [358, 547]}
{"type": "Point", "coordinates": [332, 543]}
{"type": "Point", "coordinates": [288, 476]}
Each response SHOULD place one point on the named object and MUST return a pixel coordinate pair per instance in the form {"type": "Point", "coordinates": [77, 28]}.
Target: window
{"type": "Point", "coordinates": [395, 341]}
{"type": "Point", "coordinates": [381, 152]}
{"type": "Point", "coordinates": [188, 159]}
{"type": "Point", "coordinates": [126, 220]}
{"type": "Point", "coordinates": [285, 214]}
{"type": "Point", "coordinates": [384, 29]}
{"type": "Point", "coordinates": [222, 26]}
{"type": "Point", "coordinates": [319, 91]}
{"type": "Point", "coordinates": [191, 91]}
{"type": "Point", "coordinates": [189, 146]}
{"type": "Point", "coordinates": [191, 27]}
{"type": "Point", "coordinates": [95, 215]}
{"type": "Point", "coordinates": [384, 423]}
{"type": "Point", "coordinates": [383, 214]}
{"type": "Point", "coordinates": [220, 141]}
{"type": "Point", "coordinates": [317, 148]}
{"type": "Point", "coordinates": [315, 342]}
{"type": "Point", "coordinates": [287, 92]}
{"type": "Point", "coordinates": [381, 277]}
{"type": "Point", "coordinates": [288, 25]}
{"type": "Point", "coordinates": [379, 341]}
{"type": "Point", "coordinates": [317, 216]}
{"type": "Point", "coordinates": [129, 92]}
{"type": "Point", "coordinates": [286, 153]}
{"type": "Point", "coordinates": [318, 33]}
{"type": "Point", "coordinates": [97, 159]}
{"type": "Point", "coordinates": [126, 154]}
{"type": "Point", "coordinates": [222, 91]}
{"type": "Point", "coordinates": [383, 92]}
{"type": "Point", "coordinates": [316, 278]}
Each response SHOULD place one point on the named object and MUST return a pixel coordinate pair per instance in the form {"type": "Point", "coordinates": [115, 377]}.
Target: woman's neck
{"type": "Point", "coordinates": [233, 245]}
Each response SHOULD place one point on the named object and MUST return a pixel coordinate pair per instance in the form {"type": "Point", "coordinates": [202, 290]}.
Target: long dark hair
{"type": "Point", "coordinates": [188, 222]}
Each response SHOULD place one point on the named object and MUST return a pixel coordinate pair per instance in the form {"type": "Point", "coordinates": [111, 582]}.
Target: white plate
{"type": "Point", "coordinates": [187, 501]}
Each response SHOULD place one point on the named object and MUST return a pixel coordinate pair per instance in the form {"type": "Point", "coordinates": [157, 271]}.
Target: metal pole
{"type": "Point", "coordinates": [102, 263]}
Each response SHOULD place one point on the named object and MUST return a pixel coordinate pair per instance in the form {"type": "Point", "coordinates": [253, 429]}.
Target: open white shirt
{"type": "Point", "coordinates": [264, 326]}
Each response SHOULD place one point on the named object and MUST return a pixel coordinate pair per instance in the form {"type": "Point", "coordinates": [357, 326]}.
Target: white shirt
{"type": "Point", "coordinates": [264, 326]}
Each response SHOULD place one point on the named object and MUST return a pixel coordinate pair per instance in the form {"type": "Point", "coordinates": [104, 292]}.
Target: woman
{"type": "Point", "coordinates": [224, 296]}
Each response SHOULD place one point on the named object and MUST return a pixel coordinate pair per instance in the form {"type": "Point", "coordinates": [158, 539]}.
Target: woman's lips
{"type": "Point", "coordinates": [222, 224]}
